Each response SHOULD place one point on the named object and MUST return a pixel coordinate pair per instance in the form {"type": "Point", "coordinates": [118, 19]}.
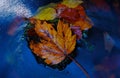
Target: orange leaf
{"type": "Point", "coordinates": [84, 24]}
{"type": "Point", "coordinates": [54, 44]}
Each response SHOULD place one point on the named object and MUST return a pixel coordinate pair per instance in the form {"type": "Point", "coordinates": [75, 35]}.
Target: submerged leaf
{"type": "Point", "coordinates": [54, 45]}
{"type": "Point", "coordinates": [109, 42]}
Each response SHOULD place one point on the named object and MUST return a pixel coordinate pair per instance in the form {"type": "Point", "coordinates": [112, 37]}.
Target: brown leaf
{"type": "Point", "coordinates": [54, 45]}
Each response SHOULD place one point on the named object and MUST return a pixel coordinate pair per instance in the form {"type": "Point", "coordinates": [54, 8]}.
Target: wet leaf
{"type": "Point", "coordinates": [76, 16]}
{"type": "Point", "coordinates": [54, 45]}
{"type": "Point", "coordinates": [72, 3]}
{"type": "Point", "coordinates": [47, 13]}
{"type": "Point", "coordinates": [84, 24]}
{"type": "Point", "coordinates": [69, 14]}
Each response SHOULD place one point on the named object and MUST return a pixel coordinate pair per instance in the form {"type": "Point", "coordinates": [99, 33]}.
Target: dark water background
{"type": "Point", "coordinates": [17, 61]}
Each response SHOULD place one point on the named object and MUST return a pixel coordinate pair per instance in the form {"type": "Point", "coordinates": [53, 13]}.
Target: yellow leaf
{"type": "Point", "coordinates": [72, 3]}
{"type": "Point", "coordinates": [46, 14]}
{"type": "Point", "coordinates": [54, 44]}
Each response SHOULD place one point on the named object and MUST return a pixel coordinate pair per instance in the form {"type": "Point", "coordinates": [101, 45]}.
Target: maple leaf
{"type": "Point", "coordinates": [54, 45]}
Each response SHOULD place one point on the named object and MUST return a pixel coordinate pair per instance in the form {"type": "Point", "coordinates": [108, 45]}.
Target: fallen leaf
{"type": "Point", "coordinates": [70, 15]}
{"type": "Point", "coordinates": [81, 11]}
{"type": "Point", "coordinates": [54, 45]}
{"type": "Point", "coordinates": [47, 13]}
{"type": "Point", "coordinates": [72, 3]}
{"type": "Point", "coordinates": [84, 24]}
{"type": "Point", "coordinates": [76, 16]}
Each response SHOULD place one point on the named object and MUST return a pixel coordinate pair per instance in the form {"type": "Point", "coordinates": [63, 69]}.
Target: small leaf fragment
{"type": "Point", "coordinates": [72, 3]}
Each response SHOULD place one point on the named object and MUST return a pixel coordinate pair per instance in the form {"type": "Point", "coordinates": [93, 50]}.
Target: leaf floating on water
{"type": "Point", "coordinates": [46, 14]}
{"type": "Point", "coordinates": [54, 45]}
{"type": "Point", "coordinates": [53, 40]}
{"type": "Point", "coordinates": [84, 24]}
{"type": "Point", "coordinates": [72, 3]}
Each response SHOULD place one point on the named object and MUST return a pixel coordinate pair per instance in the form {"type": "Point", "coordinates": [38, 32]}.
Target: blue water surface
{"type": "Point", "coordinates": [17, 61]}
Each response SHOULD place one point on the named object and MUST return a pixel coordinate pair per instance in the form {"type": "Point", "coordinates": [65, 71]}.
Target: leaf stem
{"type": "Point", "coordinates": [80, 66]}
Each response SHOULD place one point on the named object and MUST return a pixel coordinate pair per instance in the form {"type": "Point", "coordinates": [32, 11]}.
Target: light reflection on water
{"type": "Point", "coordinates": [15, 7]}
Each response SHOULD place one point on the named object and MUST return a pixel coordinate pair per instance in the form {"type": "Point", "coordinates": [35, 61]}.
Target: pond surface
{"type": "Point", "coordinates": [103, 61]}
